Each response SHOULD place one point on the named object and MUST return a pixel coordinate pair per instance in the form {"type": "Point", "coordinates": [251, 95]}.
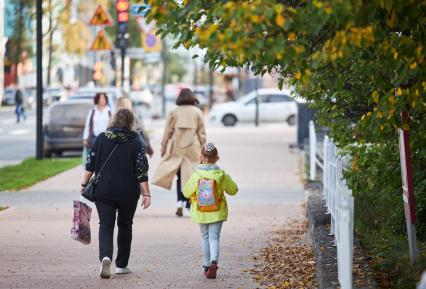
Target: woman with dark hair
{"type": "Point", "coordinates": [124, 178]}
{"type": "Point", "coordinates": [183, 138]}
{"type": "Point", "coordinates": [96, 121]}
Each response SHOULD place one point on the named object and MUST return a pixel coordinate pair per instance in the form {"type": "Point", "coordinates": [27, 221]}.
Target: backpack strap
{"type": "Point", "coordinates": [92, 115]}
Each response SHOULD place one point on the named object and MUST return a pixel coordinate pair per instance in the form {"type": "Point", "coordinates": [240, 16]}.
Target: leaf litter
{"type": "Point", "coordinates": [288, 261]}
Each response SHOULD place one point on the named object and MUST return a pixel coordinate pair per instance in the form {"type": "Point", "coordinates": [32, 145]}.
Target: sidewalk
{"type": "Point", "coordinates": [37, 252]}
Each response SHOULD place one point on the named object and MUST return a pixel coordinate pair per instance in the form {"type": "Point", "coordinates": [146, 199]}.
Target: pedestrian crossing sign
{"type": "Point", "coordinates": [101, 17]}
{"type": "Point", "coordinates": [101, 42]}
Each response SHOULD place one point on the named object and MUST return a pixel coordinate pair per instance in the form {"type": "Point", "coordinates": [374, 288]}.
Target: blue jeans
{"type": "Point", "coordinates": [20, 112]}
{"type": "Point", "coordinates": [210, 234]}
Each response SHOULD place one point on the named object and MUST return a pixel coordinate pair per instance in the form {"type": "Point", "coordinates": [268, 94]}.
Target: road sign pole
{"type": "Point", "coordinates": [123, 55]}
{"type": "Point", "coordinates": [163, 80]}
{"type": "Point", "coordinates": [39, 121]}
{"type": "Point", "coordinates": [408, 188]}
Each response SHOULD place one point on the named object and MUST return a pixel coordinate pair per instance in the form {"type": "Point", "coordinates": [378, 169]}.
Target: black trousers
{"type": "Point", "coordinates": [107, 211]}
{"type": "Point", "coordinates": [180, 196]}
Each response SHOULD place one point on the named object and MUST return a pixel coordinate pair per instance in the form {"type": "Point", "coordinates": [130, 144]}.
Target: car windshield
{"type": "Point", "coordinates": [246, 98]}
{"type": "Point", "coordinates": [72, 113]}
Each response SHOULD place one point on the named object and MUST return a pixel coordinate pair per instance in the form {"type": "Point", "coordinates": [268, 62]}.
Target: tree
{"type": "Point", "coordinates": [360, 63]}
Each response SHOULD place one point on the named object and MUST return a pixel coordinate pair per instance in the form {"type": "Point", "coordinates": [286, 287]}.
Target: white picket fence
{"type": "Point", "coordinates": [339, 201]}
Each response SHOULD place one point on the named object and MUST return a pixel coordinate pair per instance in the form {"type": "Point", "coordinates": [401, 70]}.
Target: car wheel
{"type": "Point", "coordinates": [229, 120]}
{"type": "Point", "coordinates": [47, 154]}
{"type": "Point", "coordinates": [291, 120]}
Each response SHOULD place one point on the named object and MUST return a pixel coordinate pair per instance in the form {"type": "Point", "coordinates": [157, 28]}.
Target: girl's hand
{"type": "Point", "coordinates": [146, 201]}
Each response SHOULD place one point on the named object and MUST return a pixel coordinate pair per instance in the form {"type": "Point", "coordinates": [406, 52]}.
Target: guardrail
{"type": "Point", "coordinates": [339, 202]}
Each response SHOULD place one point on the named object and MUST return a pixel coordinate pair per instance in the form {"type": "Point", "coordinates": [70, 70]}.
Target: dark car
{"type": "Point", "coordinates": [64, 127]}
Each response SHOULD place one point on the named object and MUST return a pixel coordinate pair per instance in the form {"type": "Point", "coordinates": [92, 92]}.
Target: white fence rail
{"type": "Point", "coordinates": [339, 202]}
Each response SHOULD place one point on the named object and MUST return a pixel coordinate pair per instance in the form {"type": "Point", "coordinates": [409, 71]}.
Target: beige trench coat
{"type": "Point", "coordinates": [183, 138]}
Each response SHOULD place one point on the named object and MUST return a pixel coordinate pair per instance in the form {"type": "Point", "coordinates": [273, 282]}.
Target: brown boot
{"type": "Point", "coordinates": [211, 272]}
{"type": "Point", "coordinates": [179, 212]}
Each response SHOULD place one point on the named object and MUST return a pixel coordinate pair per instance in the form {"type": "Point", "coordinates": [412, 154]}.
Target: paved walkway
{"type": "Point", "coordinates": [37, 252]}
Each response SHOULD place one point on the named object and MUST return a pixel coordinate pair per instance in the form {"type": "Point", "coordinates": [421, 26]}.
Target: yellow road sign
{"type": "Point", "coordinates": [101, 17]}
{"type": "Point", "coordinates": [101, 42]}
{"type": "Point", "coordinates": [151, 42]}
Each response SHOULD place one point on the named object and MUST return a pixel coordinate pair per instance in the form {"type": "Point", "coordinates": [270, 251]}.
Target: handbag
{"type": "Point", "coordinates": [89, 190]}
{"type": "Point", "coordinates": [80, 230]}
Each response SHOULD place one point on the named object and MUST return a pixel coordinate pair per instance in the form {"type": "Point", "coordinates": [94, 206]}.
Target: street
{"type": "Point", "coordinates": [17, 140]}
{"type": "Point", "coordinates": [37, 252]}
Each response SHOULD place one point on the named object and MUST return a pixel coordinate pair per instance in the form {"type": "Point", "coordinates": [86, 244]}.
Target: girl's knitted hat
{"type": "Point", "coordinates": [209, 147]}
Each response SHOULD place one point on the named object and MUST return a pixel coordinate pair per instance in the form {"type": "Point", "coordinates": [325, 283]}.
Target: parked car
{"type": "Point", "coordinates": [142, 97]}
{"type": "Point", "coordinates": [64, 126]}
{"type": "Point", "coordinates": [9, 96]}
{"type": "Point", "coordinates": [52, 94]}
{"type": "Point", "coordinates": [28, 94]}
{"type": "Point", "coordinates": [274, 106]}
{"type": "Point", "coordinates": [113, 93]}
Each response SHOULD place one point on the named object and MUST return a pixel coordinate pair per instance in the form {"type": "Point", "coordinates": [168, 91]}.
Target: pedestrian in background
{"type": "Point", "coordinates": [96, 122]}
{"type": "Point", "coordinates": [19, 110]}
{"type": "Point", "coordinates": [123, 180]}
{"type": "Point", "coordinates": [125, 102]}
{"type": "Point", "coordinates": [184, 135]}
{"type": "Point", "coordinates": [209, 207]}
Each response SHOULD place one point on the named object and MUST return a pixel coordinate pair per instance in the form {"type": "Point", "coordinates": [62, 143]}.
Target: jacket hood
{"type": "Point", "coordinates": [121, 135]}
{"type": "Point", "coordinates": [210, 171]}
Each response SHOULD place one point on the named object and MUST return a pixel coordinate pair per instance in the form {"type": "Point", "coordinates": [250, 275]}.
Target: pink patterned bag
{"type": "Point", "coordinates": [80, 230]}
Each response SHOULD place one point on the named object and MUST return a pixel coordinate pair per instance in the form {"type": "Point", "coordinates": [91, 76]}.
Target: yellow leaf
{"type": "Point", "coordinates": [375, 96]}
{"type": "Point", "coordinates": [308, 72]}
{"type": "Point", "coordinates": [291, 36]}
{"type": "Point", "coordinates": [379, 114]}
{"type": "Point", "coordinates": [395, 55]}
{"type": "Point", "coordinates": [318, 4]}
{"type": "Point", "coordinates": [382, 127]}
{"type": "Point", "coordinates": [286, 284]}
{"type": "Point", "coordinates": [298, 75]}
{"type": "Point", "coordinates": [363, 117]}
{"type": "Point", "coordinates": [399, 91]}
{"type": "Point", "coordinates": [392, 99]}
{"type": "Point", "coordinates": [369, 114]}
{"type": "Point", "coordinates": [279, 20]}
{"type": "Point", "coordinates": [328, 10]}
{"type": "Point", "coordinates": [405, 126]}
{"type": "Point", "coordinates": [255, 18]}
{"type": "Point", "coordinates": [413, 65]}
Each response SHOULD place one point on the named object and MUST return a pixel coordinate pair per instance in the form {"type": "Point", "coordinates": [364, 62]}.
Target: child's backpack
{"type": "Point", "coordinates": [207, 199]}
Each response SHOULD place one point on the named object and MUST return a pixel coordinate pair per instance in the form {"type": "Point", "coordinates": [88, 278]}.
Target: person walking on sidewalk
{"type": "Point", "coordinates": [123, 180]}
{"type": "Point", "coordinates": [183, 138]}
{"type": "Point", "coordinates": [96, 122]}
{"type": "Point", "coordinates": [125, 102]}
{"type": "Point", "coordinates": [206, 188]}
{"type": "Point", "coordinates": [19, 110]}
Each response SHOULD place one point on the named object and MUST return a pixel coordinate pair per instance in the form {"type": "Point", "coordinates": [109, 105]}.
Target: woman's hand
{"type": "Point", "coordinates": [146, 201]}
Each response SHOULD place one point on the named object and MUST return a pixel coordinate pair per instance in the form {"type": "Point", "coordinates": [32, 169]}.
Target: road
{"type": "Point", "coordinates": [17, 140]}
{"type": "Point", "coordinates": [36, 250]}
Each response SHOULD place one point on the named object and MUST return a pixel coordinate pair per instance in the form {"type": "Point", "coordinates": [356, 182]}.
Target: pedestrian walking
{"type": "Point", "coordinates": [19, 110]}
{"type": "Point", "coordinates": [206, 188]}
{"type": "Point", "coordinates": [125, 102]}
{"type": "Point", "coordinates": [183, 138]}
{"type": "Point", "coordinates": [96, 122]}
{"type": "Point", "coordinates": [124, 178]}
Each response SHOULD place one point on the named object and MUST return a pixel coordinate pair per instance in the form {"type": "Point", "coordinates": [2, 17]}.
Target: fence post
{"type": "Point", "coordinates": [312, 151]}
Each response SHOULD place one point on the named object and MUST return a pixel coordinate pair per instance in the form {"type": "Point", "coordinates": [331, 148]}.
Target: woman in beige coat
{"type": "Point", "coordinates": [183, 138]}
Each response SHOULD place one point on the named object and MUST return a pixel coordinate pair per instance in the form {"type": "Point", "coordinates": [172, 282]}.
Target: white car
{"type": "Point", "coordinates": [274, 106]}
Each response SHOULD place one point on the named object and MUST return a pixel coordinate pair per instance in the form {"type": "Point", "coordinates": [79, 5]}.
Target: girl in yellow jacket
{"type": "Point", "coordinates": [206, 188]}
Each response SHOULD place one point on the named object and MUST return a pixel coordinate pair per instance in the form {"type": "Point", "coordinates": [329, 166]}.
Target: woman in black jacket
{"type": "Point", "coordinates": [123, 180]}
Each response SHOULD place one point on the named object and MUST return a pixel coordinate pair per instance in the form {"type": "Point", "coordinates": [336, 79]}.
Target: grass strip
{"type": "Point", "coordinates": [31, 171]}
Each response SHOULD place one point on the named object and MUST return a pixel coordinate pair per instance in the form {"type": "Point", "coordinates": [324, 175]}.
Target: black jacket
{"type": "Point", "coordinates": [127, 167]}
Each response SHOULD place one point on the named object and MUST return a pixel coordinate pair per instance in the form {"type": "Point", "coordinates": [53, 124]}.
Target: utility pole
{"type": "Point", "coordinates": [163, 79]}
{"type": "Point", "coordinates": [39, 122]}
{"type": "Point", "coordinates": [122, 7]}
{"type": "Point", "coordinates": [3, 41]}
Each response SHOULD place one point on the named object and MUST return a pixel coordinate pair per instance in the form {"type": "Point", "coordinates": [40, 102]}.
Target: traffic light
{"type": "Point", "coordinates": [122, 7]}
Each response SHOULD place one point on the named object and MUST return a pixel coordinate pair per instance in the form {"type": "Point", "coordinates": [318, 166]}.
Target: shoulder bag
{"type": "Point", "coordinates": [89, 190]}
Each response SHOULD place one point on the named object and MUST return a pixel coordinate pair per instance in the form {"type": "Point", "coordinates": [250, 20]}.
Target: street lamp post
{"type": "Point", "coordinates": [39, 122]}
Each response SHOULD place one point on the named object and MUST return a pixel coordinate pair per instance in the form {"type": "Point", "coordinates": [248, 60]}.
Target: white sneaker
{"type": "Point", "coordinates": [186, 212]}
{"type": "Point", "coordinates": [119, 270]}
{"type": "Point", "coordinates": [105, 268]}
